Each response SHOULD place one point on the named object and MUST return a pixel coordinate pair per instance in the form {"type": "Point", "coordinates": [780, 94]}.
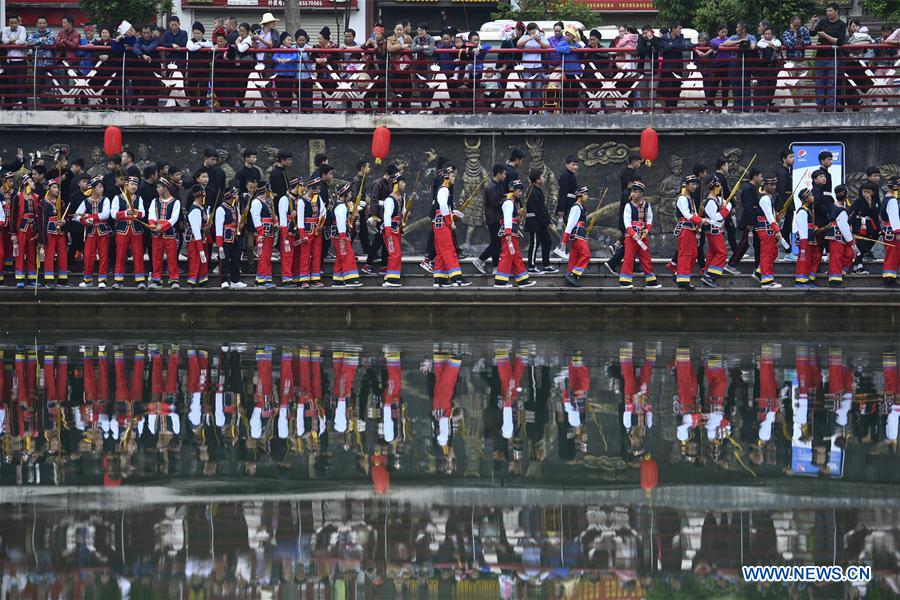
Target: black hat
{"type": "Point", "coordinates": [300, 32]}
{"type": "Point", "coordinates": [6, 175]}
{"type": "Point", "coordinates": [770, 181]}
{"type": "Point", "coordinates": [689, 179]}
{"type": "Point", "coordinates": [517, 185]}
{"type": "Point", "coordinates": [133, 179]}
{"type": "Point", "coordinates": [313, 182]}
{"type": "Point", "coordinates": [96, 180]}
{"type": "Point", "coordinates": [282, 154]}
{"type": "Point", "coordinates": [210, 152]}
{"type": "Point", "coordinates": [197, 191]}
{"type": "Point", "coordinates": [262, 186]}
{"type": "Point", "coordinates": [398, 178]}
{"type": "Point", "coordinates": [582, 190]}
{"type": "Point", "coordinates": [637, 185]}
{"type": "Point", "coordinates": [894, 182]}
{"type": "Point", "coordinates": [840, 190]}
{"type": "Point", "coordinates": [805, 194]}
{"type": "Point", "coordinates": [162, 181]}
{"type": "Point", "coordinates": [447, 171]}
{"type": "Point", "coordinates": [344, 189]}
{"type": "Point", "coordinates": [198, 26]}
{"type": "Point", "coordinates": [294, 182]}
{"type": "Point", "coordinates": [596, 33]}
{"type": "Point", "coordinates": [713, 184]}
{"type": "Point", "coordinates": [229, 193]}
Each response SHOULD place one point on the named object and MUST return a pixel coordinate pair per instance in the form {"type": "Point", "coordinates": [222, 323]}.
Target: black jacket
{"type": "Point", "coordinates": [623, 200]}
{"type": "Point", "coordinates": [749, 205]}
{"type": "Point", "coordinates": [647, 51]}
{"type": "Point", "coordinates": [784, 187]}
{"type": "Point", "coordinates": [278, 182]}
{"type": "Point", "coordinates": [511, 175]}
{"type": "Point", "coordinates": [567, 185]}
{"type": "Point", "coordinates": [822, 203]}
{"type": "Point", "coordinates": [626, 177]}
{"type": "Point", "coordinates": [243, 175]}
{"type": "Point", "coordinates": [537, 217]}
{"type": "Point", "coordinates": [493, 198]}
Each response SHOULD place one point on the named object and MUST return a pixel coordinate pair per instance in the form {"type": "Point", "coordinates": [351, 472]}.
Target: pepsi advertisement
{"type": "Point", "coordinates": [806, 161]}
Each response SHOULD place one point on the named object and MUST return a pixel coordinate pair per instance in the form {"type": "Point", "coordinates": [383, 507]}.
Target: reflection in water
{"type": "Point", "coordinates": [482, 413]}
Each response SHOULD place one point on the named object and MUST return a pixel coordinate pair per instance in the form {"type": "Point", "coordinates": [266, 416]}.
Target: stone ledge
{"type": "Point", "coordinates": [587, 124]}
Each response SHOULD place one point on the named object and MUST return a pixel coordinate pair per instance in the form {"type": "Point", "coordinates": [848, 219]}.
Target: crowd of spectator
{"type": "Point", "coordinates": [243, 65]}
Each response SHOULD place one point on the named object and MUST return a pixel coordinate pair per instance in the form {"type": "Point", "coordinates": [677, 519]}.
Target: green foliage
{"type": "Point", "coordinates": [706, 15]}
{"type": "Point", "coordinates": [136, 12]}
{"type": "Point", "coordinates": [886, 10]}
{"type": "Point", "coordinates": [542, 10]}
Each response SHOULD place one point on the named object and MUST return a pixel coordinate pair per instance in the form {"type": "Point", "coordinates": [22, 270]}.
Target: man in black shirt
{"type": "Point", "coordinates": [864, 218]}
{"type": "Point", "coordinates": [513, 164]}
{"type": "Point", "coordinates": [493, 198]}
{"type": "Point", "coordinates": [749, 202]}
{"type": "Point", "coordinates": [618, 251]}
{"type": "Point", "coordinates": [537, 223]}
{"type": "Point", "coordinates": [721, 176]}
{"type": "Point", "coordinates": [279, 177]}
{"type": "Point", "coordinates": [249, 168]}
{"type": "Point", "coordinates": [113, 166]}
{"type": "Point", "coordinates": [216, 186]}
{"type": "Point", "coordinates": [826, 159]}
{"type": "Point", "coordinates": [630, 170]}
{"type": "Point", "coordinates": [128, 166]}
{"type": "Point", "coordinates": [147, 193]}
{"type": "Point", "coordinates": [567, 183]}
{"type": "Point", "coordinates": [830, 31]}
{"type": "Point", "coordinates": [783, 188]}
{"type": "Point", "coordinates": [380, 190]}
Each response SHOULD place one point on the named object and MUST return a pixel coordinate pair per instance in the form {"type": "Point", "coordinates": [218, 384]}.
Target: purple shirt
{"type": "Point", "coordinates": [720, 54]}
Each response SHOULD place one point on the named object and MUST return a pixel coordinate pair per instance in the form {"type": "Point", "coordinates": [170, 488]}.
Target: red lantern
{"type": "Point", "coordinates": [649, 474]}
{"type": "Point", "coordinates": [649, 145]}
{"type": "Point", "coordinates": [112, 141]}
{"type": "Point", "coordinates": [381, 478]}
{"type": "Point", "coordinates": [381, 143]}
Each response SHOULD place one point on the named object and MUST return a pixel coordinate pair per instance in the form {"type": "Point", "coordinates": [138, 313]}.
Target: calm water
{"type": "Point", "coordinates": [475, 466]}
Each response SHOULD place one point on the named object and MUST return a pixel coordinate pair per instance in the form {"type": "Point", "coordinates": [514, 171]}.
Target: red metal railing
{"type": "Point", "coordinates": [459, 80]}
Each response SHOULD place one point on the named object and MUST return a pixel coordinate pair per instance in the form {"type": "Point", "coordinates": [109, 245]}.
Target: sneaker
{"type": "Point", "coordinates": [654, 284]}
{"type": "Point", "coordinates": [153, 285]}
{"type": "Point", "coordinates": [755, 275]}
{"type": "Point", "coordinates": [317, 284]}
{"type": "Point", "coordinates": [391, 284]}
{"type": "Point", "coordinates": [688, 287]}
{"type": "Point", "coordinates": [549, 269]}
{"type": "Point", "coordinates": [101, 285]}
{"type": "Point", "coordinates": [503, 285]}
{"type": "Point", "coordinates": [527, 283]}
{"type": "Point", "coordinates": [355, 283]}
{"type": "Point", "coordinates": [572, 281]}
{"type": "Point", "coordinates": [174, 285]}
{"type": "Point", "coordinates": [835, 284]}
{"type": "Point", "coordinates": [709, 281]}
{"type": "Point", "coordinates": [426, 266]}
{"type": "Point", "coordinates": [772, 285]}
{"type": "Point", "coordinates": [802, 286]}
{"type": "Point", "coordinates": [20, 285]}
{"type": "Point", "coordinates": [860, 270]}
{"type": "Point", "coordinates": [84, 284]}
{"type": "Point", "coordinates": [533, 270]}
{"type": "Point", "coordinates": [225, 285]}
{"type": "Point", "coordinates": [142, 286]}
{"type": "Point", "coordinates": [462, 282]}
{"type": "Point", "coordinates": [367, 269]}
{"type": "Point", "coordinates": [609, 268]}
{"type": "Point", "coordinates": [731, 270]}
{"type": "Point", "coordinates": [625, 285]}
{"type": "Point", "coordinates": [268, 286]}
{"type": "Point", "coordinates": [117, 286]}
{"type": "Point", "coordinates": [479, 266]}
{"type": "Point", "coordinates": [439, 285]}
{"type": "Point", "coordinates": [561, 252]}
{"type": "Point", "coordinates": [239, 285]}
{"type": "Point", "coordinates": [790, 258]}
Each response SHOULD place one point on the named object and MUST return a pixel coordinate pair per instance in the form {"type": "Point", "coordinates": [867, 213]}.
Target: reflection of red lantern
{"type": "Point", "coordinates": [381, 143]}
{"type": "Point", "coordinates": [649, 474]}
{"type": "Point", "coordinates": [381, 478]}
{"type": "Point", "coordinates": [112, 141]}
{"type": "Point", "coordinates": [649, 145]}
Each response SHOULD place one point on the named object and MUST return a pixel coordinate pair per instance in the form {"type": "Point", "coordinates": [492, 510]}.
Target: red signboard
{"type": "Point", "coordinates": [266, 4]}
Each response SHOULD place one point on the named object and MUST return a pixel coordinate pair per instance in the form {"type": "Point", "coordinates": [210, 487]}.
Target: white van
{"type": "Point", "coordinates": [492, 32]}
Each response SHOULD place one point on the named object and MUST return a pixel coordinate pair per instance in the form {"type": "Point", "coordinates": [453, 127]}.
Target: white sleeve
{"type": "Point", "coordinates": [801, 225]}
{"type": "Point", "coordinates": [573, 218]}
{"type": "Point", "coordinates": [507, 208]}
{"type": "Point", "coordinates": [256, 212]}
{"type": "Point", "coordinates": [104, 209]}
{"type": "Point", "coordinates": [82, 208]}
{"type": "Point", "coordinates": [843, 224]}
{"type": "Point", "coordinates": [114, 206]}
{"type": "Point", "coordinates": [220, 221]}
{"type": "Point", "coordinates": [765, 205]}
{"type": "Point", "coordinates": [626, 216]}
{"type": "Point", "coordinates": [893, 213]}
{"type": "Point", "coordinates": [176, 213]}
{"type": "Point", "coordinates": [649, 214]}
{"type": "Point", "coordinates": [243, 45]}
{"type": "Point", "coordinates": [322, 208]}
{"type": "Point", "coordinates": [684, 207]}
{"type": "Point", "coordinates": [152, 213]}
{"type": "Point", "coordinates": [2, 213]}
{"type": "Point", "coordinates": [301, 211]}
{"type": "Point", "coordinates": [283, 204]}
{"type": "Point", "coordinates": [443, 198]}
{"type": "Point", "coordinates": [712, 211]}
{"type": "Point", "coordinates": [340, 218]}
{"type": "Point", "coordinates": [138, 205]}
{"type": "Point", "coordinates": [388, 209]}
{"type": "Point", "coordinates": [196, 222]}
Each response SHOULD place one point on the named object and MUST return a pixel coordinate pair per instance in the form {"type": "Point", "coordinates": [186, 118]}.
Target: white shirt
{"type": "Point", "coordinates": [120, 205]}
{"type": "Point", "coordinates": [284, 204]}
{"type": "Point", "coordinates": [390, 205]}
{"type": "Point", "coordinates": [256, 212]}
{"type": "Point", "coordinates": [683, 204]}
{"type": "Point", "coordinates": [340, 218]}
{"type": "Point", "coordinates": [843, 223]}
{"type": "Point", "coordinates": [892, 212]}
{"type": "Point", "coordinates": [2, 214]}
{"type": "Point", "coordinates": [195, 219]}
{"type": "Point", "coordinates": [220, 221]}
{"type": "Point", "coordinates": [443, 198]}
{"type": "Point", "coordinates": [574, 213]}
{"type": "Point", "coordinates": [17, 37]}
{"type": "Point", "coordinates": [104, 209]}
{"type": "Point", "coordinates": [712, 211]}
{"type": "Point", "coordinates": [627, 219]}
{"type": "Point", "coordinates": [509, 210]}
{"type": "Point", "coordinates": [765, 205]}
{"type": "Point", "coordinates": [801, 225]}
{"type": "Point", "coordinates": [153, 214]}
{"type": "Point", "coordinates": [193, 46]}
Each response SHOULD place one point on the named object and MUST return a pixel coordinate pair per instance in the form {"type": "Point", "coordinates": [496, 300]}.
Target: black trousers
{"type": "Point", "coordinates": [738, 254]}
{"type": "Point", "coordinates": [618, 255]}
{"type": "Point", "coordinates": [539, 238]}
{"type": "Point", "coordinates": [731, 234]}
{"type": "Point", "coordinates": [364, 240]}
{"type": "Point", "coordinates": [493, 249]}
{"type": "Point", "coordinates": [230, 267]}
{"type": "Point", "coordinates": [375, 246]}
